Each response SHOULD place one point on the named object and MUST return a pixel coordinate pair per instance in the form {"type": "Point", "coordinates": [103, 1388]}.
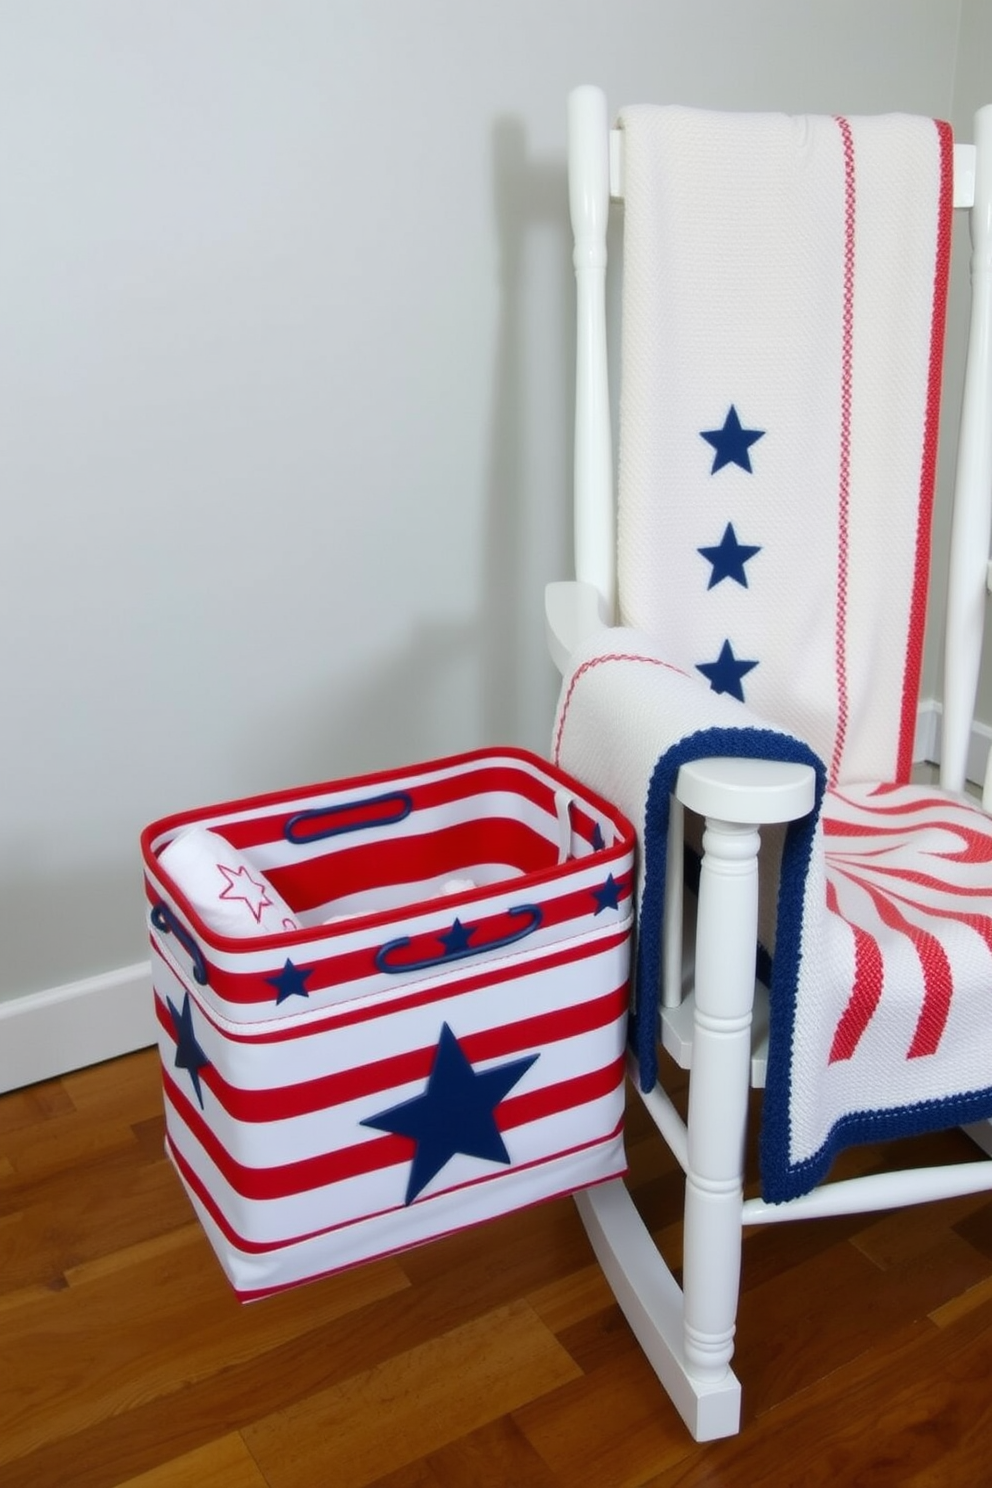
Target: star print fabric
{"type": "Point", "coordinates": [783, 303]}
{"type": "Point", "coordinates": [233, 896]}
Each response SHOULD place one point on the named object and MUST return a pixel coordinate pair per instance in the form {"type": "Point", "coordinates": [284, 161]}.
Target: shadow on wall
{"type": "Point", "coordinates": [524, 519]}
{"type": "Point", "coordinates": [389, 715]}
{"type": "Point", "coordinates": [496, 662]}
{"type": "Point", "coordinates": [75, 916]}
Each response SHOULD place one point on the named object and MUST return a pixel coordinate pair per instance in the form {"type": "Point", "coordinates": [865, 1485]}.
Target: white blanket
{"type": "Point", "coordinates": [784, 285]}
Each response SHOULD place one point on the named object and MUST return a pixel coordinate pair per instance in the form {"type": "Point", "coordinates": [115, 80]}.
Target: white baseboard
{"type": "Point", "coordinates": [48, 1033]}
{"type": "Point", "coordinates": [926, 745]}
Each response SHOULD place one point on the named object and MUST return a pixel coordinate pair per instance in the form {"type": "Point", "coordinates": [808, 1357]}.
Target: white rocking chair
{"type": "Point", "coordinates": [708, 1020]}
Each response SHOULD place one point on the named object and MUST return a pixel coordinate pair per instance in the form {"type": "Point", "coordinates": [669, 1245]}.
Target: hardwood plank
{"type": "Point", "coordinates": [156, 1323]}
{"type": "Point", "coordinates": [411, 1475]}
{"type": "Point", "coordinates": [889, 1240]}
{"type": "Point", "coordinates": [86, 1210]}
{"type": "Point", "coordinates": [239, 1393]}
{"type": "Point", "coordinates": [613, 1426]}
{"type": "Point", "coordinates": [838, 1299]}
{"type": "Point", "coordinates": [132, 1085]}
{"type": "Point", "coordinates": [784, 1448]}
{"type": "Point", "coordinates": [956, 1307]}
{"type": "Point", "coordinates": [571, 1298]}
{"type": "Point", "coordinates": [597, 1340]}
{"type": "Point", "coordinates": [412, 1404]}
{"type": "Point", "coordinates": [496, 1456]}
{"type": "Point", "coordinates": [121, 1260]}
{"type": "Point", "coordinates": [65, 1142]}
{"type": "Point", "coordinates": [33, 1105]}
{"type": "Point", "coordinates": [976, 1228]}
{"type": "Point", "coordinates": [166, 1427]}
{"type": "Point", "coordinates": [507, 1256]}
{"type": "Point", "coordinates": [30, 1296]}
{"type": "Point", "coordinates": [913, 1408]}
{"type": "Point", "coordinates": [224, 1463]}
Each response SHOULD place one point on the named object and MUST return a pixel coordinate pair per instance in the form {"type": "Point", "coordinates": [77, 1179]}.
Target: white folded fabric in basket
{"type": "Point", "coordinates": [231, 895]}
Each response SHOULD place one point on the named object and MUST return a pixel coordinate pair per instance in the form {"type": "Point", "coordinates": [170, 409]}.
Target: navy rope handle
{"type": "Point", "coordinates": [457, 953]}
{"type": "Point", "coordinates": [296, 829]}
{"type": "Point", "coordinates": [163, 919]}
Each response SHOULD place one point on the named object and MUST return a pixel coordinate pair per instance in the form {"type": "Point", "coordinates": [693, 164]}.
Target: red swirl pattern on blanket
{"type": "Point", "coordinates": [903, 861]}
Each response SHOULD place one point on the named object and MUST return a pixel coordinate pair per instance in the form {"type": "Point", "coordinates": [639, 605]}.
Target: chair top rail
{"type": "Point", "coordinates": [964, 171]}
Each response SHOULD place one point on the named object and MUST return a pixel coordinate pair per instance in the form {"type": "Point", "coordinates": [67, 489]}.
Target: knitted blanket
{"type": "Point", "coordinates": [875, 930]}
{"type": "Point", "coordinates": [784, 285]}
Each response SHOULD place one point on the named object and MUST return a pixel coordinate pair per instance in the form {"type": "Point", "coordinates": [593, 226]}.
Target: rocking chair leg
{"type": "Point", "coordinates": [651, 1301]}
{"type": "Point", "coordinates": [718, 1094]}
{"type": "Point", "coordinates": [688, 1335]}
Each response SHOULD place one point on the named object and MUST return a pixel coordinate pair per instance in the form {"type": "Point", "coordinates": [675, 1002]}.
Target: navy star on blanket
{"type": "Point", "coordinates": [724, 674]}
{"type": "Point", "coordinates": [455, 1114]}
{"type": "Point", "coordinates": [728, 558]}
{"type": "Point", "coordinates": [732, 442]}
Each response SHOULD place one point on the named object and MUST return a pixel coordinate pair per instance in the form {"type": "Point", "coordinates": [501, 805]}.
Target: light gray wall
{"type": "Point", "coordinates": [285, 336]}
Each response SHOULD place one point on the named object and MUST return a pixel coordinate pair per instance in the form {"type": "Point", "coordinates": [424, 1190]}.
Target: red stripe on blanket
{"type": "Point", "coordinates": [976, 848]}
{"type": "Point", "coordinates": [906, 805]}
{"type": "Point", "coordinates": [588, 666]}
{"type": "Point", "coordinates": [928, 471]}
{"type": "Point", "coordinates": [844, 484]}
{"type": "Point", "coordinates": [865, 993]}
{"type": "Point", "coordinates": [938, 982]}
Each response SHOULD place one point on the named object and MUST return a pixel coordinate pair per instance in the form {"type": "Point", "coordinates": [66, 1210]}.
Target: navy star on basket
{"type": "Point", "coordinates": [607, 896]}
{"type": "Point", "coordinates": [725, 674]}
{"type": "Point", "coordinates": [455, 940]}
{"type": "Point", "coordinates": [732, 442]}
{"type": "Point", "coordinates": [455, 1114]}
{"type": "Point", "coordinates": [189, 1055]}
{"type": "Point", "coordinates": [728, 558]}
{"type": "Point", "coordinates": [290, 982]}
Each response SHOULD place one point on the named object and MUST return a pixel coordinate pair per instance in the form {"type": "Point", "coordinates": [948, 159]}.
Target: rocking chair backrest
{"type": "Point", "coordinates": [784, 286]}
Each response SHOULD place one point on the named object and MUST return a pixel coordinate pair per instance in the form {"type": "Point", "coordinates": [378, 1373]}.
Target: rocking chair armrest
{"type": "Point", "coordinates": [756, 792]}
{"type": "Point", "coordinates": [573, 611]}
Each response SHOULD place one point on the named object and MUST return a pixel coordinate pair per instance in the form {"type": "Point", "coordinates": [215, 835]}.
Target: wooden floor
{"type": "Point", "coordinates": [494, 1359]}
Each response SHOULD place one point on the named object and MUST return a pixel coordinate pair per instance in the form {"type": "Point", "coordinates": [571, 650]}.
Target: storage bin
{"type": "Point", "coordinates": [434, 1034]}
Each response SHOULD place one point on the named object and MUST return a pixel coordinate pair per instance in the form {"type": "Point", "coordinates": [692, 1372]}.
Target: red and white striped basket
{"type": "Point", "coordinates": [417, 1022]}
